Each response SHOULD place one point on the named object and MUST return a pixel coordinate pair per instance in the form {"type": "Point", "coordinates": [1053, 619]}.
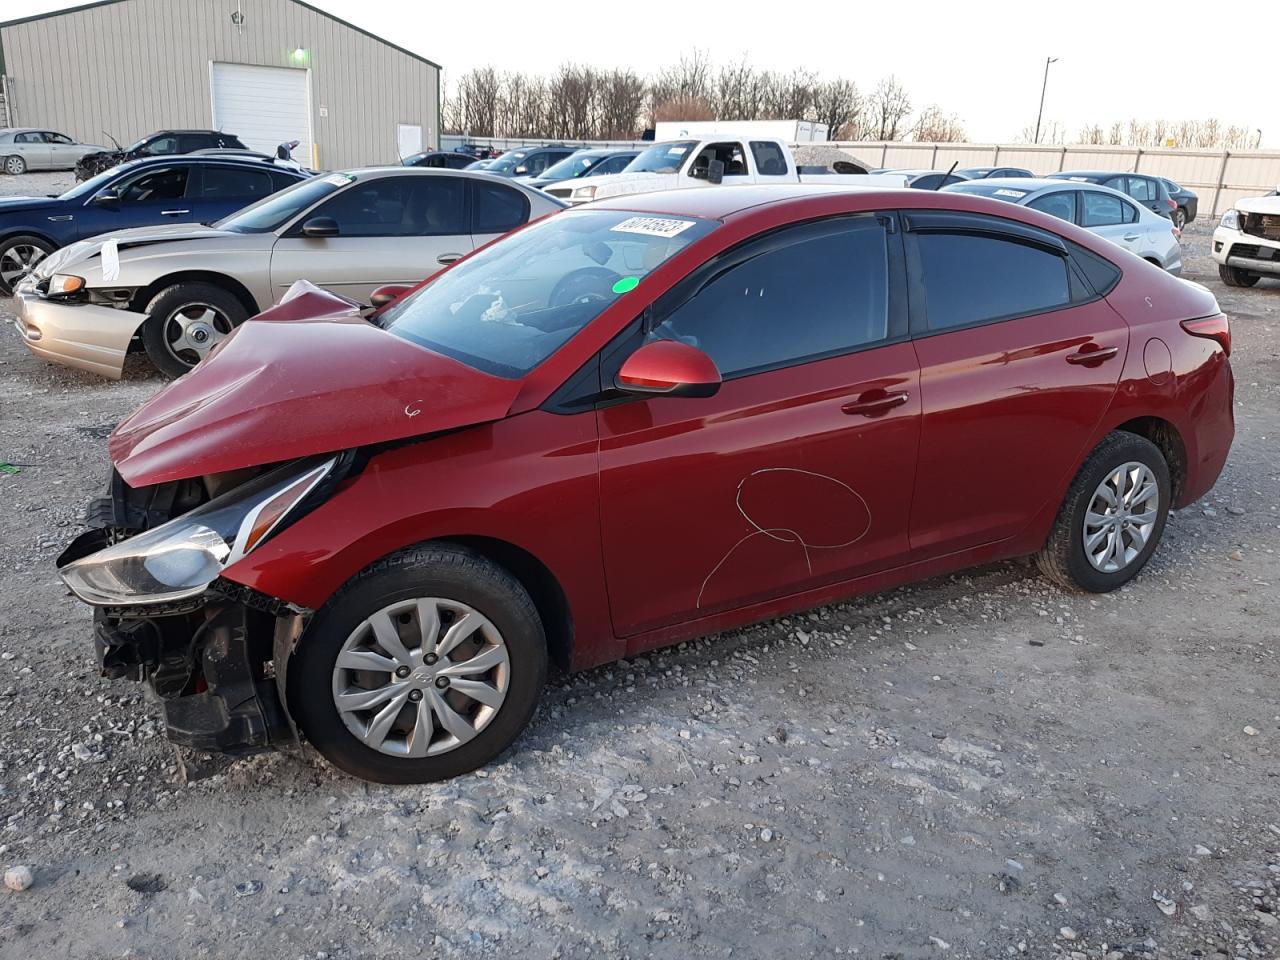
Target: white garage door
{"type": "Point", "coordinates": [263, 106]}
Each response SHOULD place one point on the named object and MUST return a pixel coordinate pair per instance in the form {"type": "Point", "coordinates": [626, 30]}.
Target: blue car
{"type": "Point", "coordinates": [141, 193]}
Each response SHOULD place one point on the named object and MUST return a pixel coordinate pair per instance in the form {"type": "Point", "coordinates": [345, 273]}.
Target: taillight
{"type": "Point", "coordinates": [1215, 328]}
{"type": "Point", "coordinates": [1173, 204]}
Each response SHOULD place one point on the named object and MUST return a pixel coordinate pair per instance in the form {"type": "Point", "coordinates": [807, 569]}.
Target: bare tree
{"type": "Point", "coordinates": [690, 79]}
{"type": "Point", "coordinates": [838, 104]}
{"type": "Point", "coordinates": [934, 126]}
{"type": "Point", "coordinates": [571, 102]}
{"type": "Point", "coordinates": [620, 99]}
{"type": "Point", "coordinates": [476, 109]}
{"type": "Point", "coordinates": [683, 108]}
{"type": "Point", "coordinates": [889, 107]}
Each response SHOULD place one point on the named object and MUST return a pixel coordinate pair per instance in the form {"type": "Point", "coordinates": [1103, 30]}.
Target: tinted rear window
{"type": "Point", "coordinates": [975, 279]}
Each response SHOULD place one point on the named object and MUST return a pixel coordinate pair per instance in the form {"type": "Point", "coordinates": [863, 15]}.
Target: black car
{"type": "Point", "coordinates": [1148, 191]}
{"type": "Point", "coordinates": [439, 159]}
{"type": "Point", "coordinates": [584, 163]}
{"type": "Point", "coordinates": [1187, 200]}
{"type": "Point", "coordinates": [528, 161]}
{"type": "Point", "coordinates": [137, 193]}
{"type": "Point", "coordinates": [985, 173]}
{"type": "Point", "coordinates": [159, 144]}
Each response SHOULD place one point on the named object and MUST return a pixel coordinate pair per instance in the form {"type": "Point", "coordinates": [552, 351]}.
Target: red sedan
{"type": "Point", "coordinates": [626, 425]}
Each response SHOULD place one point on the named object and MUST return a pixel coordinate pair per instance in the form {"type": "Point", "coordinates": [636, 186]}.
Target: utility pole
{"type": "Point", "coordinates": [1043, 87]}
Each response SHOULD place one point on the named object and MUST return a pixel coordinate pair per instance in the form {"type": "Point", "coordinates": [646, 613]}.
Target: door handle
{"type": "Point", "coordinates": [173, 213]}
{"type": "Point", "coordinates": [1131, 237]}
{"type": "Point", "coordinates": [447, 258]}
{"type": "Point", "coordinates": [1101, 355]}
{"type": "Point", "coordinates": [870, 406]}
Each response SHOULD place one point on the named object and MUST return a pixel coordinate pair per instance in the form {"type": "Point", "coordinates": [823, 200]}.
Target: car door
{"type": "Point", "coordinates": [225, 188]}
{"type": "Point", "coordinates": [1019, 359]}
{"type": "Point", "coordinates": [157, 194]}
{"type": "Point", "coordinates": [1057, 203]}
{"type": "Point", "coordinates": [798, 472]}
{"type": "Point", "coordinates": [1113, 217]}
{"type": "Point", "coordinates": [63, 151]}
{"type": "Point", "coordinates": [731, 154]}
{"type": "Point", "coordinates": [394, 229]}
{"type": "Point", "coordinates": [1146, 192]}
{"type": "Point", "coordinates": [33, 148]}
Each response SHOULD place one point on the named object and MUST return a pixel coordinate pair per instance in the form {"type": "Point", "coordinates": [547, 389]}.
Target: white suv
{"type": "Point", "coordinates": [1246, 243]}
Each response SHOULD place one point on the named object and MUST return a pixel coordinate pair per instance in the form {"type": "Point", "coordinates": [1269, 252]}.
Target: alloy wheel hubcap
{"type": "Point", "coordinates": [194, 330]}
{"type": "Point", "coordinates": [421, 677]}
{"type": "Point", "coordinates": [1121, 515]}
{"type": "Point", "coordinates": [13, 166]}
{"type": "Point", "coordinates": [17, 261]}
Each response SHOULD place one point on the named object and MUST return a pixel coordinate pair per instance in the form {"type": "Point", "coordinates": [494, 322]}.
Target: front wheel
{"type": "Point", "coordinates": [186, 321]}
{"type": "Point", "coordinates": [1235, 277]}
{"type": "Point", "coordinates": [426, 666]}
{"type": "Point", "coordinates": [1112, 518]}
{"type": "Point", "coordinates": [18, 257]}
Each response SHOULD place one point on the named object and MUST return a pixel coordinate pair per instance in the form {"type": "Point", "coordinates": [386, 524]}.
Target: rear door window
{"type": "Point", "coordinates": [235, 183]}
{"type": "Point", "coordinates": [497, 208]}
{"type": "Point", "coordinates": [1102, 209]}
{"type": "Point", "coordinates": [971, 279]}
{"type": "Point", "coordinates": [770, 160]}
{"type": "Point", "coordinates": [1140, 188]}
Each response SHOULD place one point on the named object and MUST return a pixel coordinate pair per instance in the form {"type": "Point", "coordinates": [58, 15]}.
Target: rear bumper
{"type": "Point", "coordinates": [82, 335]}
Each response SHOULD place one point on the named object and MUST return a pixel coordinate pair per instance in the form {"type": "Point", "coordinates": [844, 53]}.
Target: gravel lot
{"type": "Point", "coordinates": [976, 766]}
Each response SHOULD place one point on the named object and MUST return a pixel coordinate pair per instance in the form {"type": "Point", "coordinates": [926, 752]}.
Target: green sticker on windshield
{"type": "Point", "coordinates": [626, 284]}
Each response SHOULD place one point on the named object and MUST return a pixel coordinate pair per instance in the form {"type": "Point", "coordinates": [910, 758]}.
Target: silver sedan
{"type": "Point", "coordinates": [349, 233]}
{"type": "Point", "coordinates": [1098, 209]}
{"type": "Point", "coordinates": [31, 148]}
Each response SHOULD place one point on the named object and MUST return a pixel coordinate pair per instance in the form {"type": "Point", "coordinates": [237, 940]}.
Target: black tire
{"type": "Point", "coordinates": [175, 299]}
{"type": "Point", "coordinates": [427, 570]}
{"type": "Point", "coordinates": [1179, 218]}
{"type": "Point", "coordinates": [15, 165]}
{"type": "Point", "coordinates": [1235, 277]}
{"type": "Point", "coordinates": [1063, 558]}
{"type": "Point", "coordinates": [21, 240]}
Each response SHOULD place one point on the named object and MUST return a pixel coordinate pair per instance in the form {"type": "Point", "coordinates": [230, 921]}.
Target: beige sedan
{"type": "Point", "coordinates": [176, 291]}
{"type": "Point", "coordinates": [30, 148]}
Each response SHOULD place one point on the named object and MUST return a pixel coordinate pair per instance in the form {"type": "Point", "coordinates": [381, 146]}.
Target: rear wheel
{"type": "Point", "coordinates": [1235, 277]}
{"type": "Point", "coordinates": [1180, 218]}
{"type": "Point", "coordinates": [1112, 518]}
{"type": "Point", "coordinates": [186, 321]}
{"type": "Point", "coordinates": [18, 257]}
{"type": "Point", "coordinates": [426, 666]}
{"type": "Point", "coordinates": [15, 165]}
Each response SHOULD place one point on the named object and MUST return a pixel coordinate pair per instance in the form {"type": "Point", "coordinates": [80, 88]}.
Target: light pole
{"type": "Point", "coordinates": [1043, 87]}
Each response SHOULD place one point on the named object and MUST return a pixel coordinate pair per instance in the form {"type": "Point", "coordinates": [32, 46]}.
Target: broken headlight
{"type": "Point", "coordinates": [179, 559]}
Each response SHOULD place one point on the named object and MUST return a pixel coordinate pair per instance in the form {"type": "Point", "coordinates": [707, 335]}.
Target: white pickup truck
{"type": "Point", "coordinates": [720, 159]}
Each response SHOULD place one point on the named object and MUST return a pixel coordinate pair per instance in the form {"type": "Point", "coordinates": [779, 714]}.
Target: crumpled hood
{"type": "Point", "coordinates": [1266, 205]}
{"type": "Point", "coordinates": [278, 389]}
{"type": "Point", "coordinates": [14, 204]}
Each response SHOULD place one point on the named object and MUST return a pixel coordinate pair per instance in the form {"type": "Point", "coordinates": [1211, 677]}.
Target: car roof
{"type": "Point", "coordinates": [1025, 184]}
{"type": "Point", "coordinates": [1101, 173]}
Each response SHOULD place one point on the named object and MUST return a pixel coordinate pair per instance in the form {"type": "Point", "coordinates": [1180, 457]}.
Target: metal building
{"type": "Point", "coordinates": [265, 70]}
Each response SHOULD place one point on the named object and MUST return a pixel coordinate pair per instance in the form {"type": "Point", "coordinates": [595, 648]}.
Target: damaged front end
{"type": "Point", "coordinates": [151, 566]}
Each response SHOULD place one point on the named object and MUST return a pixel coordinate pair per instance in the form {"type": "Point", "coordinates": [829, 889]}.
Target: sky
{"type": "Point", "coordinates": [1116, 60]}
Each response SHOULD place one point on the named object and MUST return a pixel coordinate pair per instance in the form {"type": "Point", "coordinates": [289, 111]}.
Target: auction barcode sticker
{"type": "Point", "coordinates": [1016, 194]}
{"type": "Point", "coordinates": [653, 226]}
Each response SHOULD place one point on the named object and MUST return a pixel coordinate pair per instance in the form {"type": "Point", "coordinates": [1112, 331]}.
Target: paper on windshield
{"type": "Point", "coordinates": [1016, 194]}
{"type": "Point", "coordinates": [338, 179]}
{"type": "Point", "coordinates": [653, 226]}
{"type": "Point", "coordinates": [111, 261]}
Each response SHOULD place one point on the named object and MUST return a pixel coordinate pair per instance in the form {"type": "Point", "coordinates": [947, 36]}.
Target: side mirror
{"type": "Point", "coordinates": [668, 368]}
{"type": "Point", "coordinates": [385, 294]}
{"type": "Point", "coordinates": [320, 227]}
{"type": "Point", "coordinates": [715, 171]}
{"type": "Point", "coordinates": [107, 198]}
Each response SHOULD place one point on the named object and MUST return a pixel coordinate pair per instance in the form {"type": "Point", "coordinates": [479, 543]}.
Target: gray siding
{"type": "Point", "coordinates": [141, 65]}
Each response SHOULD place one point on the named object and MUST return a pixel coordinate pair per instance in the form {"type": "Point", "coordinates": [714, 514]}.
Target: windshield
{"type": "Point", "coordinates": [273, 212]}
{"type": "Point", "coordinates": [662, 157]}
{"type": "Point", "coordinates": [508, 161]}
{"type": "Point", "coordinates": [570, 167]}
{"type": "Point", "coordinates": [513, 304]}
